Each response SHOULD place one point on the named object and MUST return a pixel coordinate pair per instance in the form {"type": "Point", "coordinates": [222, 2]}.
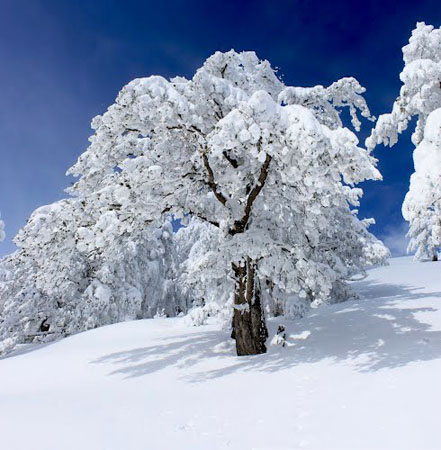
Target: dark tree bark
{"type": "Point", "coordinates": [435, 257]}
{"type": "Point", "coordinates": [249, 329]}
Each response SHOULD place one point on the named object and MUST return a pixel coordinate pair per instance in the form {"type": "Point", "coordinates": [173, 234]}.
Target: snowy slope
{"type": "Point", "coordinates": [362, 374]}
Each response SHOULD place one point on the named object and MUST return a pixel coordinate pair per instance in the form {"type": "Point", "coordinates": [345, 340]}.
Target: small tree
{"type": "Point", "coordinates": [420, 97]}
{"type": "Point", "coordinates": [271, 167]}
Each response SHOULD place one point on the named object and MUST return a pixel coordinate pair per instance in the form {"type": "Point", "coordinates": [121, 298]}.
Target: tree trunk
{"type": "Point", "coordinates": [435, 257]}
{"type": "Point", "coordinates": [249, 329]}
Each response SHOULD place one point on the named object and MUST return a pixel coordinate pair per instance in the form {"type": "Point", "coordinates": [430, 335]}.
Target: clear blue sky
{"type": "Point", "coordinates": [63, 62]}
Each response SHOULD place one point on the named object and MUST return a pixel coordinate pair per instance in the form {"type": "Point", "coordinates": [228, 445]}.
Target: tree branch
{"type": "Point", "coordinates": [130, 130]}
{"type": "Point", "coordinates": [199, 216]}
{"type": "Point", "coordinates": [231, 160]}
{"type": "Point", "coordinates": [240, 225]}
{"type": "Point", "coordinates": [211, 181]}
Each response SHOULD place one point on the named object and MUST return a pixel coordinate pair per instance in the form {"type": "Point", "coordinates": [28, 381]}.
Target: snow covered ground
{"type": "Point", "coordinates": [362, 374]}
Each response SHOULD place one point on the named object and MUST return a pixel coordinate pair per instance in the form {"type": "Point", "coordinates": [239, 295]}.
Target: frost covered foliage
{"type": "Point", "coordinates": [71, 274]}
{"type": "Point", "coordinates": [420, 97]}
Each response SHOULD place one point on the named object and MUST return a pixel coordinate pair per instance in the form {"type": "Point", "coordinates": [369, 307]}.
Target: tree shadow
{"type": "Point", "coordinates": [184, 351]}
{"type": "Point", "coordinates": [371, 333]}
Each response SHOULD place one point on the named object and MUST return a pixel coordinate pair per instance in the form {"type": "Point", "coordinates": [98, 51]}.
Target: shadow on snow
{"type": "Point", "coordinates": [371, 333]}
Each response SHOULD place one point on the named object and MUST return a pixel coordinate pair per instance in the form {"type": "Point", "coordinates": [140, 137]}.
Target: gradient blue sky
{"type": "Point", "coordinates": [63, 62]}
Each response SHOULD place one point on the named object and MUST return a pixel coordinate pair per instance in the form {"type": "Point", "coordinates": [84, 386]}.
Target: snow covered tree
{"type": "Point", "coordinates": [71, 273]}
{"type": "Point", "coordinates": [272, 167]}
{"type": "Point", "coordinates": [420, 97]}
{"type": "Point", "coordinates": [422, 205]}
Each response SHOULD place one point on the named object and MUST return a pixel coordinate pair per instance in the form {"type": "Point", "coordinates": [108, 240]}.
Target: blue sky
{"type": "Point", "coordinates": [63, 62]}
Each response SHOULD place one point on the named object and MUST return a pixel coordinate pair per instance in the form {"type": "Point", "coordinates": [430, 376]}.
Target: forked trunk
{"type": "Point", "coordinates": [249, 329]}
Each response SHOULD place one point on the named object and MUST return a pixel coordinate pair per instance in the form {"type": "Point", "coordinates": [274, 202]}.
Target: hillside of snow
{"type": "Point", "coordinates": [361, 374]}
